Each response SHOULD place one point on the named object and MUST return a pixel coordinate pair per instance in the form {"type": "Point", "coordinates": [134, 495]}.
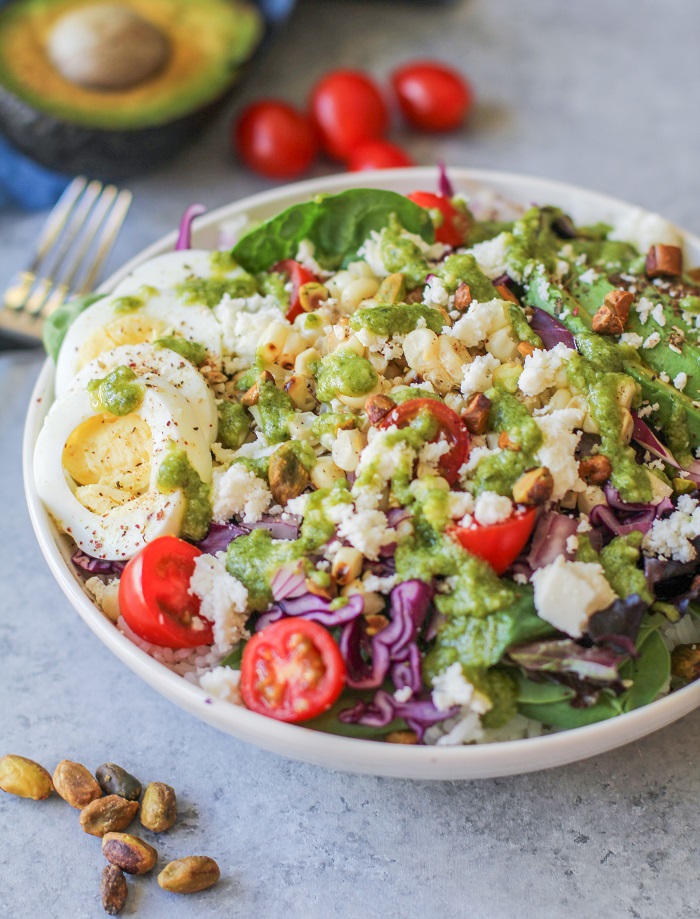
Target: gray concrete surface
{"type": "Point", "coordinates": [598, 93]}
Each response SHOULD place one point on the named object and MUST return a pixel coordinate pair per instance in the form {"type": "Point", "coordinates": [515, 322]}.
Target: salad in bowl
{"type": "Point", "coordinates": [413, 468]}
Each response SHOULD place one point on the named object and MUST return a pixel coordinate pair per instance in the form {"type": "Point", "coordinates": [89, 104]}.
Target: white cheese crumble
{"type": "Point", "coordinates": [244, 321]}
{"type": "Point", "coordinates": [306, 256]}
{"type": "Point", "coordinates": [403, 694]}
{"type": "Point", "coordinates": [644, 230]}
{"type": "Point", "coordinates": [631, 339]}
{"type": "Point", "coordinates": [672, 536]}
{"type": "Point", "coordinates": [459, 503]}
{"type": "Point", "coordinates": [571, 544]}
{"type": "Point", "coordinates": [492, 508]}
{"type": "Point", "coordinates": [435, 293]}
{"type": "Point", "coordinates": [480, 322]}
{"type": "Point", "coordinates": [652, 341]}
{"type": "Point", "coordinates": [680, 381]}
{"type": "Point", "coordinates": [664, 377]}
{"type": "Point", "coordinates": [558, 449]}
{"type": "Point", "coordinates": [451, 688]}
{"type": "Point", "coordinates": [366, 530]}
{"type": "Point", "coordinates": [238, 491]}
{"type": "Point", "coordinates": [643, 307]}
{"type": "Point", "coordinates": [568, 593]}
{"type": "Point", "coordinates": [657, 314]}
{"type": "Point", "coordinates": [429, 457]}
{"type": "Point", "coordinates": [222, 683]}
{"type": "Point", "coordinates": [544, 369]}
{"type": "Point", "coordinates": [223, 600]}
{"type": "Point", "coordinates": [492, 255]}
{"type": "Point", "coordinates": [588, 277]}
{"type": "Point", "coordinates": [478, 376]}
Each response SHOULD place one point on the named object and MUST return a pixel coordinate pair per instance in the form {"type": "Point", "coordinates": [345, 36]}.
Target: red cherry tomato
{"type": "Point", "coordinates": [452, 224]}
{"type": "Point", "coordinates": [299, 276]}
{"type": "Point", "coordinates": [450, 425]}
{"type": "Point", "coordinates": [154, 598]}
{"type": "Point", "coordinates": [431, 96]}
{"type": "Point", "coordinates": [500, 543]}
{"type": "Point", "coordinates": [348, 109]}
{"type": "Point", "coordinates": [292, 670]}
{"type": "Point", "coordinates": [275, 139]}
{"type": "Point", "coordinates": [378, 154]}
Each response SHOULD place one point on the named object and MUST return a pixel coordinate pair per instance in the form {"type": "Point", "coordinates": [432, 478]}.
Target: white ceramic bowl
{"type": "Point", "coordinates": [334, 752]}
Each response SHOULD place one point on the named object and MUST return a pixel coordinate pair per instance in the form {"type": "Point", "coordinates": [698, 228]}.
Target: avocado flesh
{"type": "Point", "coordinates": [577, 309]}
{"type": "Point", "coordinates": [210, 40]}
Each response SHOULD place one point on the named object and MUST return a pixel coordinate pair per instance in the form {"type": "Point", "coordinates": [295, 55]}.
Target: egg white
{"type": "Point", "coordinates": [102, 327]}
{"type": "Point", "coordinates": [168, 270]}
{"type": "Point", "coordinates": [121, 531]}
{"type": "Point", "coordinates": [170, 365]}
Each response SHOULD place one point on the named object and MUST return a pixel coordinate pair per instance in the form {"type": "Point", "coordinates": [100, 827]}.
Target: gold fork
{"type": "Point", "coordinates": [72, 247]}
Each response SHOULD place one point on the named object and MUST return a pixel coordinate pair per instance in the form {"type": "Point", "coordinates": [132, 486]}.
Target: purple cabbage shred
{"type": "Point", "coordinates": [184, 239]}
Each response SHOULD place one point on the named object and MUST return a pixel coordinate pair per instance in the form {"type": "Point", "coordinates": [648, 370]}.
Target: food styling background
{"type": "Point", "coordinates": [598, 94]}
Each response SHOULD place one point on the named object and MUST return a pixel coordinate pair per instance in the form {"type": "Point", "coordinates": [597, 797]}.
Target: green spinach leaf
{"type": "Point", "coordinates": [337, 225]}
{"type": "Point", "coordinates": [58, 323]}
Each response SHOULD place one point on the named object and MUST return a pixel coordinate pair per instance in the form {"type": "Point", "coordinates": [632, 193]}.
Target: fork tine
{"type": "Point", "coordinates": [56, 255]}
{"type": "Point", "coordinates": [110, 231]}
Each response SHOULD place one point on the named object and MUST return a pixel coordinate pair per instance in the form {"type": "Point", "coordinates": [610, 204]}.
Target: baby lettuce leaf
{"type": "Point", "coordinates": [649, 674]}
{"type": "Point", "coordinates": [337, 225]}
{"type": "Point", "coordinates": [58, 323]}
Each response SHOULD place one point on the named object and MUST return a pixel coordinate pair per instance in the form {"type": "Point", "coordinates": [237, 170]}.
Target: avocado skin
{"type": "Point", "coordinates": [76, 149]}
{"type": "Point", "coordinates": [109, 155]}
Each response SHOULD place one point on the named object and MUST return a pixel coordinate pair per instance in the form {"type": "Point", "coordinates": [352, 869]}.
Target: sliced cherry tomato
{"type": "Point", "coordinates": [452, 224]}
{"type": "Point", "coordinates": [500, 543]}
{"type": "Point", "coordinates": [347, 108]}
{"type": "Point", "coordinates": [378, 154]}
{"type": "Point", "coordinates": [292, 670]}
{"type": "Point", "coordinates": [431, 96]}
{"type": "Point", "coordinates": [275, 139]}
{"type": "Point", "coordinates": [299, 276]}
{"type": "Point", "coordinates": [154, 598]}
{"type": "Point", "coordinates": [450, 425]}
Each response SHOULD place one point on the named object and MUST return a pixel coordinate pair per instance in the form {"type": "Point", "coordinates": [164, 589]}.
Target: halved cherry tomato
{"type": "Point", "coordinates": [431, 96]}
{"type": "Point", "coordinates": [299, 276]}
{"type": "Point", "coordinates": [292, 670]}
{"type": "Point", "coordinates": [154, 598]}
{"type": "Point", "coordinates": [453, 222]}
{"type": "Point", "coordinates": [499, 544]}
{"type": "Point", "coordinates": [275, 139]}
{"type": "Point", "coordinates": [378, 154]}
{"type": "Point", "coordinates": [347, 108]}
{"type": "Point", "coordinates": [450, 425]}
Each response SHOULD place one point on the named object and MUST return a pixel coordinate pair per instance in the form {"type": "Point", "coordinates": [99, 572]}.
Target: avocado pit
{"type": "Point", "coordinates": [107, 46]}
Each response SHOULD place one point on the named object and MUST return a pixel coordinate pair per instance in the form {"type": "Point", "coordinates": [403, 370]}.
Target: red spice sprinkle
{"type": "Point", "coordinates": [575, 311]}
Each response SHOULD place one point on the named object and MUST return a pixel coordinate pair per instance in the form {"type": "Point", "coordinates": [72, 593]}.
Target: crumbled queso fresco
{"type": "Point", "coordinates": [470, 464]}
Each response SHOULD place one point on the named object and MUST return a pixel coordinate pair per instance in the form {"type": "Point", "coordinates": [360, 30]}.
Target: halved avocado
{"type": "Point", "coordinates": [112, 133]}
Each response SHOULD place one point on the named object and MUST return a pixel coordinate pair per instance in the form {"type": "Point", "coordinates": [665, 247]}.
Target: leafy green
{"type": "Point", "coordinates": [649, 675]}
{"type": "Point", "coordinates": [58, 323]}
{"type": "Point", "coordinates": [337, 225]}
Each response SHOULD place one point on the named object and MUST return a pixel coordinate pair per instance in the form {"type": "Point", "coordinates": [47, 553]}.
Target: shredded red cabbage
{"type": "Point", "coordinates": [550, 329]}
{"type": "Point", "coordinates": [97, 565]}
{"type": "Point", "coordinates": [419, 714]}
{"type": "Point", "coordinates": [289, 581]}
{"type": "Point", "coordinates": [317, 609]}
{"type": "Point", "coordinates": [445, 187]}
{"type": "Point", "coordinates": [369, 657]}
{"type": "Point", "coordinates": [184, 240]}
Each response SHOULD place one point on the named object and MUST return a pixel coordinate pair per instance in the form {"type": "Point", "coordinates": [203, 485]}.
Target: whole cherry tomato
{"type": "Point", "coordinates": [275, 139]}
{"type": "Point", "coordinates": [499, 544]}
{"type": "Point", "coordinates": [378, 154]}
{"type": "Point", "coordinates": [348, 109]}
{"type": "Point", "coordinates": [450, 426]}
{"type": "Point", "coordinates": [292, 670]}
{"type": "Point", "coordinates": [432, 96]}
{"type": "Point", "coordinates": [451, 225]}
{"type": "Point", "coordinates": [299, 276]}
{"type": "Point", "coordinates": [154, 596]}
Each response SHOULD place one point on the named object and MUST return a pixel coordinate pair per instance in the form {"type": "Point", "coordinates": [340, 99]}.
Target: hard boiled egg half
{"type": "Point", "coordinates": [97, 472]}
